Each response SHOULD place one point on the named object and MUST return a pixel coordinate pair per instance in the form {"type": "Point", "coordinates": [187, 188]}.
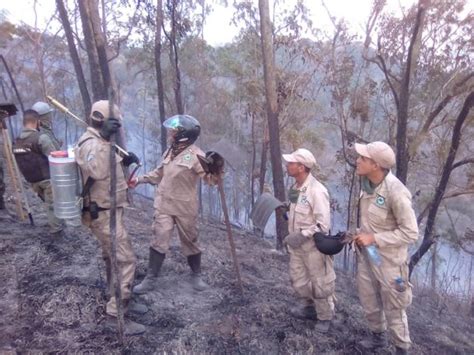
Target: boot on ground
{"type": "Point", "coordinates": [322, 326]}
{"type": "Point", "coordinates": [374, 341]}
{"type": "Point", "coordinates": [304, 311]}
{"type": "Point", "coordinates": [134, 307]}
{"type": "Point", "coordinates": [197, 282]}
{"type": "Point", "coordinates": [2, 203]}
{"type": "Point", "coordinates": [130, 327]}
{"type": "Point", "coordinates": [148, 284]}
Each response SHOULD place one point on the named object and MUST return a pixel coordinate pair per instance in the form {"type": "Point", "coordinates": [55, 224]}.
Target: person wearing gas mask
{"type": "Point", "coordinates": [388, 222]}
{"type": "Point", "coordinates": [176, 200]}
{"type": "Point", "coordinates": [31, 150]}
{"type": "Point", "coordinates": [92, 154]}
{"type": "Point", "coordinates": [45, 113]}
{"type": "Point", "coordinates": [311, 272]}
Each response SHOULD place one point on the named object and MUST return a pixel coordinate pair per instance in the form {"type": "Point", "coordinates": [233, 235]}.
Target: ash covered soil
{"type": "Point", "coordinates": [53, 295]}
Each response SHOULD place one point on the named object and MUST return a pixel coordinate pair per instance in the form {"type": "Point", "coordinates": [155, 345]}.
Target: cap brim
{"type": "Point", "coordinates": [361, 149]}
{"type": "Point", "coordinates": [289, 158]}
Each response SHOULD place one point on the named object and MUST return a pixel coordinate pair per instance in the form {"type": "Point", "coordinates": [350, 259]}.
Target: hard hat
{"type": "Point", "coordinates": [42, 108]}
{"type": "Point", "coordinates": [329, 244]}
{"type": "Point", "coordinates": [100, 111]}
{"type": "Point", "coordinates": [187, 126]}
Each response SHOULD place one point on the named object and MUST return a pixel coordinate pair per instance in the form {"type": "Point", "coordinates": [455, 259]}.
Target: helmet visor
{"type": "Point", "coordinates": [173, 123]}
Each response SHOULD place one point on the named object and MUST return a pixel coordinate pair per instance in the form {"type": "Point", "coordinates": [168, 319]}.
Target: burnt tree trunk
{"type": "Point", "coordinates": [159, 73]}
{"type": "Point", "coordinates": [98, 89]}
{"type": "Point", "coordinates": [428, 238]}
{"type": "Point", "coordinates": [403, 157]}
{"type": "Point", "coordinates": [81, 80]}
{"type": "Point", "coordinates": [272, 115]}
{"type": "Point", "coordinates": [174, 56]}
{"type": "Point", "coordinates": [101, 46]}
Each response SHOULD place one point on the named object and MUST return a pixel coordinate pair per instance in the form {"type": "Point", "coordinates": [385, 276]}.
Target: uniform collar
{"type": "Point", "coordinates": [305, 184]}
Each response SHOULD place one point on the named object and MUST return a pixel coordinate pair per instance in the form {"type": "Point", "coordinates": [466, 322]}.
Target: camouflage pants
{"type": "Point", "coordinates": [44, 190]}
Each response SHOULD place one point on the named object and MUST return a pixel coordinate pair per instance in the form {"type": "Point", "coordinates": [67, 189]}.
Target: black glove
{"type": "Point", "coordinates": [109, 127]}
{"type": "Point", "coordinates": [216, 162]}
{"type": "Point", "coordinates": [130, 159]}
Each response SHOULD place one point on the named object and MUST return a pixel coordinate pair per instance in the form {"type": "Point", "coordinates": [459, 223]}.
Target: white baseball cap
{"type": "Point", "coordinates": [303, 156]}
{"type": "Point", "coordinates": [379, 152]}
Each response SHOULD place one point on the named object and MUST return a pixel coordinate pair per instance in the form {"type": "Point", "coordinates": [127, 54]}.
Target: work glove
{"type": "Point", "coordinates": [109, 127]}
{"type": "Point", "coordinates": [130, 159]}
{"type": "Point", "coordinates": [216, 163]}
{"type": "Point", "coordinates": [295, 240]}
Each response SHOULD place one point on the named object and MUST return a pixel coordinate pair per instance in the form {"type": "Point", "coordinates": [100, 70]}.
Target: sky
{"type": "Point", "coordinates": [217, 30]}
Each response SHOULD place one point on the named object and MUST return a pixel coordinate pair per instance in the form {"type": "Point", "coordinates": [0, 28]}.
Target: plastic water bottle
{"type": "Point", "coordinates": [400, 285]}
{"type": "Point", "coordinates": [70, 151]}
{"type": "Point", "coordinates": [374, 255]}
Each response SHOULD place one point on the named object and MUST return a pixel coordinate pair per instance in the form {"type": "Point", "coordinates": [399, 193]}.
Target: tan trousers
{"type": "Point", "coordinates": [383, 305]}
{"type": "Point", "coordinates": [44, 190]}
{"type": "Point", "coordinates": [188, 232]}
{"type": "Point", "coordinates": [313, 279]}
{"type": "Point", "coordinates": [126, 258]}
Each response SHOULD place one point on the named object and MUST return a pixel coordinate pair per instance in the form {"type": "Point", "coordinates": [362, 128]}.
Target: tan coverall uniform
{"type": "Point", "coordinates": [311, 272]}
{"type": "Point", "coordinates": [176, 199]}
{"type": "Point", "coordinates": [43, 188]}
{"type": "Point", "coordinates": [389, 215]}
{"type": "Point", "coordinates": [92, 154]}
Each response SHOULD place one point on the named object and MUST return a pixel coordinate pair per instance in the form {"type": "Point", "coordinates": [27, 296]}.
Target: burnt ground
{"type": "Point", "coordinates": [53, 296]}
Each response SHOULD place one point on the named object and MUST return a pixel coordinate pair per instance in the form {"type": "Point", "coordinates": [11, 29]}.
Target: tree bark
{"type": "Point", "coordinates": [403, 157]}
{"type": "Point", "coordinates": [81, 80]}
{"type": "Point", "coordinates": [97, 83]}
{"type": "Point", "coordinates": [174, 58]}
{"type": "Point", "coordinates": [272, 115]}
{"type": "Point", "coordinates": [101, 47]}
{"type": "Point", "coordinates": [159, 74]}
{"type": "Point", "coordinates": [428, 238]}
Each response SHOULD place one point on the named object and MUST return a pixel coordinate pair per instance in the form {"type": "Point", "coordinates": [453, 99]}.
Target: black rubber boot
{"type": "Point", "coordinates": [194, 262]}
{"type": "Point", "coordinates": [2, 203]}
{"type": "Point", "coordinates": [155, 262]}
{"type": "Point", "coordinates": [375, 341]}
{"type": "Point", "coordinates": [304, 311]}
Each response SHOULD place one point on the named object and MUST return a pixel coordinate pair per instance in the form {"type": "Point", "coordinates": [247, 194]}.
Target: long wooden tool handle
{"type": "Point", "coordinates": [220, 186]}
{"type": "Point", "coordinates": [113, 226]}
{"type": "Point", "coordinates": [11, 172]}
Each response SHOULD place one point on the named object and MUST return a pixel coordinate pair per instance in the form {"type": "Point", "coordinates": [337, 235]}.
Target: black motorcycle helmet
{"type": "Point", "coordinates": [329, 244]}
{"type": "Point", "coordinates": [187, 126]}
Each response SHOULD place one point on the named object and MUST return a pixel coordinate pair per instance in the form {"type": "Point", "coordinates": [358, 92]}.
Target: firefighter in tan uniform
{"type": "Point", "coordinates": [311, 272]}
{"type": "Point", "coordinates": [388, 221]}
{"type": "Point", "coordinates": [92, 154]}
{"type": "Point", "coordinates": [176, 200]}
{"type": "Point", "coordinates": [31, 150]}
